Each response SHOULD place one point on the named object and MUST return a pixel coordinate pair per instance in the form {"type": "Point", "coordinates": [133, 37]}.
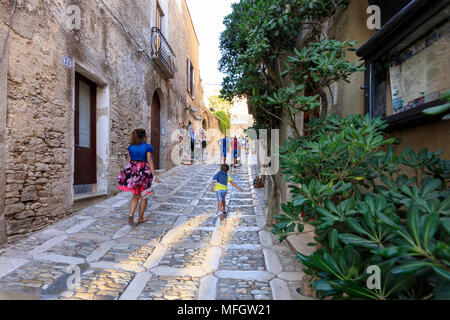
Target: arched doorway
{"type": "Point", "coordinates": [205, 121]}
{"type": "Point", "coordinates": [155, 129]}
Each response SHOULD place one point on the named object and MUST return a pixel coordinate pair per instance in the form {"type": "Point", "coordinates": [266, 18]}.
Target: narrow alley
{"type": "Point", "coordinates": [183, 252]}
{"type": "Point", "coordinates": [289, 150]}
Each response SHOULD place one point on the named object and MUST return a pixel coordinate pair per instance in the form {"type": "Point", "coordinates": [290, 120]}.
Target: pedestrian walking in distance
{"type": "Point", "coordinates": [224, 146]}
{"type": "Point", "coordinates": [192, 134]}
{"type": "Point", "coordinates": [235, 150]}
{"type": "Point", "coordinates": [220, 186]}
{"type": "Point", "coordinates": [203, 144]}
{"type": "Point", "coordinates": [138, 174]}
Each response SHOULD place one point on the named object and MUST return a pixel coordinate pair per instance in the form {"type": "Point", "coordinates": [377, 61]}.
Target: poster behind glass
{"type": "Point", "coordinates": [421, 73]}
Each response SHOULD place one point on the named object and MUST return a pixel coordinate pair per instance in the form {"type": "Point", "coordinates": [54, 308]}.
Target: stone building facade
{"type": "Point", "coordinates": [77, 78]}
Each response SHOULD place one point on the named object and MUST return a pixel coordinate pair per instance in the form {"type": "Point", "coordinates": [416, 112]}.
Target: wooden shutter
{"type": "Point", "coordinates": [192, 80]}
{"type": "Point", "coordinates": [188, 77]}
{"type": "Point", "coordinates": [159, 17]}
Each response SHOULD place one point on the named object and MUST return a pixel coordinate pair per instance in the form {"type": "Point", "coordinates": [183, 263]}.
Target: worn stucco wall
{"type": "Point", "coordinates": [40, 108]}
{"type": "Point", "coordinates": [350, 24]}
{"type": "Point", "coordinates": [433, 136]}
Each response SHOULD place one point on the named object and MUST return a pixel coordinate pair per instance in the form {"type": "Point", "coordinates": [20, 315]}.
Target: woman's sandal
{"type": "Point", "coordinates": [130, 219]}
{"type": "Point", "coordinates": [140, 221]}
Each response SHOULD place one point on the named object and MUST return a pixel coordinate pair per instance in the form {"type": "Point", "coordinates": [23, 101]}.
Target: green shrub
{"type": "Point", "coordinates": [352, 186]}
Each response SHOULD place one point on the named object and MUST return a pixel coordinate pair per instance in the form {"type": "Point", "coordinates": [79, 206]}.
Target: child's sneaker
{"type": "Point", "coordinates": [221, 215]}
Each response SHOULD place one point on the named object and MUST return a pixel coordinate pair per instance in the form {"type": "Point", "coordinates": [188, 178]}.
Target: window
{"type": "Point", "coordinates": [190, 76]}
{"type": "Point", "coordinates": [419, 74]}
{"type": "Point", "coordinates": [407, 64]}
{"type": "Point", "coordinates": [406, 82]}
{"type": "Point", "coordinates": [159, 17]}
{"type": "Point", "coordinates": [159, 23]}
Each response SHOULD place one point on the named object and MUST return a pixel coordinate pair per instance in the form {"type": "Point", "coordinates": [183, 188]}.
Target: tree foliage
{"type": "Point", "coordinates": [220, 104]}
{"type": "Point", "coordinates": [268, 58]}
{"type": "Point", "coordinates": [224, 121]}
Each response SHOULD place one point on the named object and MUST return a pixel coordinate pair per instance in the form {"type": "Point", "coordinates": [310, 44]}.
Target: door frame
{"type": "Point", "coordinates": [78, 180]}
{"type": "Point", "coordinates": [156, 151]}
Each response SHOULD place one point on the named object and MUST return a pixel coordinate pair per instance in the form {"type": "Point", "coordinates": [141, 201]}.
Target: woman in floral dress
{"type": "Point", "coordinates": [138, 174]}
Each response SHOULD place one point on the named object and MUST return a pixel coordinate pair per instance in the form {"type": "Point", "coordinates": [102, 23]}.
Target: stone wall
{"type": "Point", "coordinates": [40, 108]}
{"type": "Point", "coordinates": [3, 92]}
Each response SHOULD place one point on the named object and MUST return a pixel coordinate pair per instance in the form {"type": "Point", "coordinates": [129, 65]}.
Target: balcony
{"type": "Point", "coordinates": [162, 54]}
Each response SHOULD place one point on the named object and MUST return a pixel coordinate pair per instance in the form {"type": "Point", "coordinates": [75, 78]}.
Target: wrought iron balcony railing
{"type": "Point", "coordinates": [162, 54]}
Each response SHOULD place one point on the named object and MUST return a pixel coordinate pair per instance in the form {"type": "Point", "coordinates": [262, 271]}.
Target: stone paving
{"type": "Point", "coordinates": [185, 251]}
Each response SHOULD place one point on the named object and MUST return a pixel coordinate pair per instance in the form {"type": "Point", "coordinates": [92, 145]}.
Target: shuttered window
{"type": "Point", "coordinates": [192, 81]}
{"type": "Point", "coordinates": [190, 76]}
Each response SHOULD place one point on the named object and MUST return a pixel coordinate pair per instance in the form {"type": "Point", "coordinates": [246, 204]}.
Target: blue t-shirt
{"type": "Point", "coordinates": [139, 153]}
{"type": "Point", "coordinates": [224, 144]}
{"type": "Point", "coordinates": [221, 178]}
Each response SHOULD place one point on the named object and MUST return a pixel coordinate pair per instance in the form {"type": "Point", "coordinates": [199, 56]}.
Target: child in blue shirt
{"type": "Point", "coordinates": [220, 186]}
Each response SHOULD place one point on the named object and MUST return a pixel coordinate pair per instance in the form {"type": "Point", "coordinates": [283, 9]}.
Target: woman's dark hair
{"type": "Point", "coordinates": [224, 167]}
{"type": "Point", "coordinates": [137, 137]}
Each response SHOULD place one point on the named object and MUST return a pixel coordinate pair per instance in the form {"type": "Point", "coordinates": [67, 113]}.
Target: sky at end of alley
{"type": "Point", "coordinates": [207, 16]}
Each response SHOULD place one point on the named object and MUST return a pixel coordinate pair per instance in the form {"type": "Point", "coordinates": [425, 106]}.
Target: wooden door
{"type": "Point", "coordinates": [155, 129]}
{"type": "Point", "coordinates": [85, 171]}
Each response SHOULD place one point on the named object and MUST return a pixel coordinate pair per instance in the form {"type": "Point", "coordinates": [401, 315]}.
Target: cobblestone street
{"type": "Point", "coordinates": [184, 251]}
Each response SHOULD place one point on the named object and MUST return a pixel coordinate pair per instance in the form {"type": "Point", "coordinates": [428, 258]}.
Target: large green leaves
{"type": "Point", "coordinates": [357, 241]}
{"type": "Point", "coordinates": [356, 291]}
{"type": "Point", "coordinates": [410, 267]}
{"type": "Point", "coordinates": [369, 207]}
{"type": "Point", "coordinates": [445, 274]}
{"type": "Point", "coordinates": [413, 223]}
{"type": "Point", "coordinates": [429, 228]}
{"type": "Point", "coordinates": [442, 108]}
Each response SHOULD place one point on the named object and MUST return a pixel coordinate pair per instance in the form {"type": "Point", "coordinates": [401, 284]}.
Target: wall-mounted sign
{"type": "Point", "coordinates": [68, 62]}
{"type": "Point", "coordinates": [421, 73]}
